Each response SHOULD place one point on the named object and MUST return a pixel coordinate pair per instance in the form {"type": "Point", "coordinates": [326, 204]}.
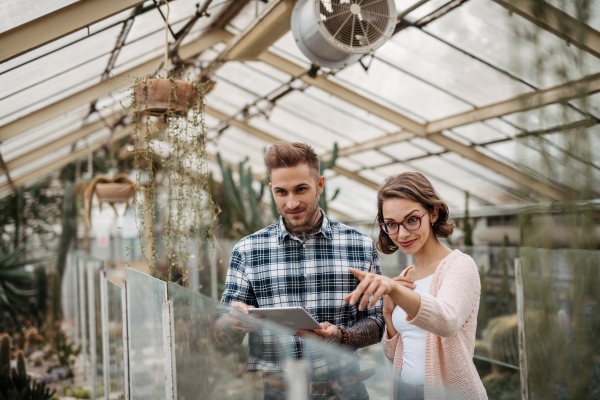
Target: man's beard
{"type": "Point", "coordinates": [312, 220]}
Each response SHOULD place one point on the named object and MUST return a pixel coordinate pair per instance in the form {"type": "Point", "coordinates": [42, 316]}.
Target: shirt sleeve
{"type": "Point", "coordinates": [237, 284]}
{"type": "Point", "coordinates": [375, 313]}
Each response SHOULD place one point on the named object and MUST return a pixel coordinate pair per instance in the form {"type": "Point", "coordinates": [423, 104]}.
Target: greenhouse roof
{"type": "Point", "coordinates": [454, 94]}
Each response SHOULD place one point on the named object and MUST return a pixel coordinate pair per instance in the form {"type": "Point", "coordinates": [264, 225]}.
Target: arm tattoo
{"type": "Point", "coordinates": [364, 333]}
{"type": "Point", "coordinates": [335, 339]}
{"type": "Point", "coordinates": [225, 335]}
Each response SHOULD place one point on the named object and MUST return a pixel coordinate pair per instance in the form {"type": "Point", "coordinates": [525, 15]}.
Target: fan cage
{"type": "Point", "coordinates": [356, 32]}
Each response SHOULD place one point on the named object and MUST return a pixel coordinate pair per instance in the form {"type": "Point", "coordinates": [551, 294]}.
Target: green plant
{"type": "Point", "coordinates": [21, 362]}
{"type": "Point", "coordinates": [14, 384]}
{"type": "Point", "coordinates": [503, 342]}
{"type": "Point", "coordinates": [5, 351]}
{"type": "Point", "coordinates": [323, 200]}
{"type": "Point", "coordinates": [241, 198]}
{"type": "Point", "coordinates": [467, 227]}
{"type": "Point", "coordinates": [15, 284]}
{"type": "Point", "coordinates": [65, 350]}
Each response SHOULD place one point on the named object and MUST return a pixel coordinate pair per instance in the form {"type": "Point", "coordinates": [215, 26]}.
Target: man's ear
{"type": "Point", "coordinates": [320, 185]}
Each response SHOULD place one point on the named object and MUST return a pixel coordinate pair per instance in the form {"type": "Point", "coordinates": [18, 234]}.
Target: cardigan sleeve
{"type": "Point", "coordinates": [389, 345]}
{"type": "Point", "coordinates": [444, 314]}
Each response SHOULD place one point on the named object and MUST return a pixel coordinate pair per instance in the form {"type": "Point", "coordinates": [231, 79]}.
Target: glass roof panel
{"type": "Point", "coordinates": [34, 97]}
{"type": "Point", "coordinates": [19, 12]}
{"type": "Point", "coordinates": [479, 133]}
{"type": "Point", "coordinates": [350, 126]}
{"type": "Point", "coordinates": [370, 158]}
{"type": "Point", "coordinates": [485, 29]}
{"type": "Point", "coordinates": [287, 48]}
{"type": "Point", "coordinates": [403, 151]}
{"type": "Point", "coordinates": [43, 134]}
{"type": "Point", "coordinates": [570, 7]}
{"type": "Point", "coordinates": [545, 117]}
{"type": "Point", "coordinates": [72, 61]}
{"type": "Point", "coordinates": [248, 14]}
{"type": "Point", "coordinates": [401, 92]}
{"type": "Point", "coordinates": [246, 79]}
{"type": "Point", "coordinates": [230, 94]}
{"type": "Point", "coordinates": [449, 69]}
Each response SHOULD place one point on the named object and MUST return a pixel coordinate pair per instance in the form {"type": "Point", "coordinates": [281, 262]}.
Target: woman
{"type": "Point", "coordinates": [431, 308]}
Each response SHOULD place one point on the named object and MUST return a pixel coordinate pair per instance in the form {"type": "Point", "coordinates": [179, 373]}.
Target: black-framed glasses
{"type": "Point", "coordinates": [410, 224]}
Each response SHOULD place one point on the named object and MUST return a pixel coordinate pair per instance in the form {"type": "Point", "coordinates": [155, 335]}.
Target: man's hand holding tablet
{"type": "Point", "coordinates": [239, 318]}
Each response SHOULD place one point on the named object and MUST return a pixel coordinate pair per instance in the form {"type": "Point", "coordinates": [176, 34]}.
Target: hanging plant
{"type": "Point", "coordinates": [169, 122]}
{"type": "Point", "coordinates": [119, 189]}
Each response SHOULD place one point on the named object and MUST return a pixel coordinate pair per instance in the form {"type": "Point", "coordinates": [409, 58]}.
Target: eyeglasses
{"type": "Point", "coordinates": [410, 224]}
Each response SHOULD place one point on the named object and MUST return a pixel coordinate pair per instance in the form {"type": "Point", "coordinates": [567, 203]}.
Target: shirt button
{"type": "Point", "coordinates": [304, 245]}
{"type": "Point", "coordinates": [306, 308]}
{"type": "Point", "coordinates": [305, 275]}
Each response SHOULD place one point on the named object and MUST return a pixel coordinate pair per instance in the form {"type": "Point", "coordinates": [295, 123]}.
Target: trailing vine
{"type": "Point", "coordinates": [170, 152]}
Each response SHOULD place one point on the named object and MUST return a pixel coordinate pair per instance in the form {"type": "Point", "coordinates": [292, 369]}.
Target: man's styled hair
{"type": "Point", "coordinates": [287, 155]}
{"type": "Point", "coordinates": [416, 187]}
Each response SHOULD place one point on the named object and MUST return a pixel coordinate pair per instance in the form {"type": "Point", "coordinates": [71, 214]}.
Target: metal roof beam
{"type": "Point", "coordinates": [53, 166]}
{"type": "Point", "coordinates": [557, 22]}
{"type": "Point", "coordinates": [565, 92]}
{"type": "Point", "coordinates": [470, 153]}
{"type": "Point", "coordinates": [373, 144]}
{"type": "Point", "coordinates": [57, 24]}
{"type": "Point", "coordinates": [267, 137]}
{"type": "Point", "coordinates": [92, 93]}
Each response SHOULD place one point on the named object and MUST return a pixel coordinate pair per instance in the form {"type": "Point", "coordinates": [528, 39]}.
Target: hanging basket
{"type": "Point", "coordinates": [165, 97]}
{"type": "Point", "coordinates": [114, 192]}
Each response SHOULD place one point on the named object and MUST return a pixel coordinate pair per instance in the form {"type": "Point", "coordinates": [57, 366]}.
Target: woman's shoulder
{"type": "Point", "coordinates": [459, 261]}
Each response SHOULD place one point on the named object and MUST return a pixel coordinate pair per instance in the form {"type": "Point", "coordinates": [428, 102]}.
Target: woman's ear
{"type": "Point", "coordinates": [433, 215]}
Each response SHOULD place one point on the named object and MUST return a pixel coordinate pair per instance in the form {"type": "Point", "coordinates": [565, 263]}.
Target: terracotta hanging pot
{"type": "Point", "coordinates": [119, 189]}
{"type": "Point", "coordinates": [165, 97]}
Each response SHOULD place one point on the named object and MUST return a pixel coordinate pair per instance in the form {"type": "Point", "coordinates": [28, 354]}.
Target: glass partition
{"type": "Point", "coordinates": [116, 373]}
{"type": "Point", "coordinates": [271, 362]}
{"type": "Point", "coordinates": [562, 323]}
{"type": "Point", "coordinates": [95, 269]}
{"type": "Point", "coordinates": [145, 296]}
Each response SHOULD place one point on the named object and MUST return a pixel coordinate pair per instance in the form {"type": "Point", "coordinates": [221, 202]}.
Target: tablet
{"type": "Point", "coordinates": [295, 318]}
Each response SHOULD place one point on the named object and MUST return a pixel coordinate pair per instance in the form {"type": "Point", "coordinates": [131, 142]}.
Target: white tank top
{"type": "Point", "coordinates": [413, 340]}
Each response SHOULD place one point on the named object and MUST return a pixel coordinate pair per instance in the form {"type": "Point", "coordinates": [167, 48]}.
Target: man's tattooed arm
{"type": "Point", "coordinates": [364, 333]}
{"type": "Point", "coordinates": [224, 333]}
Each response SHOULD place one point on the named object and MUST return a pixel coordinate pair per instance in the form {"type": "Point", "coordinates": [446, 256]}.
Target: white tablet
{"type": "Point", "coordinates": [295, 318]}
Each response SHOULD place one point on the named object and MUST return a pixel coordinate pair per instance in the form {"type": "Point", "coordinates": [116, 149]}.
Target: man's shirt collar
{"type": "Point", "coordinates": [326, 230]}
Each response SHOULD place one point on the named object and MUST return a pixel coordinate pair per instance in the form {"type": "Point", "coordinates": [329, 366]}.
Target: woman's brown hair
{"type": "Point", "coordinates": [411, 186]}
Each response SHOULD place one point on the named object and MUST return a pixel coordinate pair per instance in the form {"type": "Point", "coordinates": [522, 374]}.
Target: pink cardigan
{"type": "Point", "coordinates": [449, 315]}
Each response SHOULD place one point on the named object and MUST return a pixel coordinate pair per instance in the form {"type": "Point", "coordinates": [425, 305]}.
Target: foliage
{"type": "Point", "coordinates": [240, 204]}
{"type": "Point", "coordinates": [467, 227]}
{"type": "Point", "coordinates": [15, 284]}
{"type": "Point", "coordinates": [65, 350]}
{"type": "Point", "coordinates": [323, 200]}
{"type": "Point", "coordinates": [5, 351]}
{"type": "Point", "coordinates": [189, 210]}
{"type": "Point", "coordinates": [14, 383]}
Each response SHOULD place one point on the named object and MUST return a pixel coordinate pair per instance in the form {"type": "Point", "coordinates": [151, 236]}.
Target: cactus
{"type": "Point", "coordinates": [482, 350]}
{"type": "Point", "coordinates": [242, 199]}
{"type": "Point", "coordinates": [504, 342]}
{"type": "Point", "coordinates": [467, 227]}
{"type": "Point", "coordinates": [323, 201]}
{"type": "Point", "coordinates": [21, 362]}
{"type": "Point", "coordinates": [5, 351]}
{"type": "Point", "coordinates": [55, 296]}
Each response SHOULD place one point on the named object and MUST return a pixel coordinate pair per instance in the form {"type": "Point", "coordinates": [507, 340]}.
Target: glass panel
{"type": "Point", "coordinates": [115, 342]}
{"type": "Point", "coordinates": [96, 268]}
{"type": "Point", "coordinates": [146, 349]}
{"type": "Point", "coordinates": [562, 321]}
{"type": "Point", "coordinates": [18, 12]}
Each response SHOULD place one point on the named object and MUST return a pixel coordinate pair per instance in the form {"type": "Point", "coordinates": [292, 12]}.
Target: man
{"type": "Point", "coordinates": [302, 260]}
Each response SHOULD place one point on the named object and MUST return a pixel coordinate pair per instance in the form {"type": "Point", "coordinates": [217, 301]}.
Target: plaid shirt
{"type": "Point", "coordinates": [272, 268]}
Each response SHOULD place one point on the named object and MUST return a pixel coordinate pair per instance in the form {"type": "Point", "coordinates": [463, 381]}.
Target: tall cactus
{"type": "Point", "coordinates": [242, 198]}
{"type": "Point", "coordinates": [323, 200]}
{"type": "Point", "coordinates": [21, 362]}
{"type": "Point", "coordinates": [4, 352]}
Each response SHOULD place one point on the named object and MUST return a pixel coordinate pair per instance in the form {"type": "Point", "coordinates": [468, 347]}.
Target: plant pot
{"type": "Point", "coordinates": [159, 97]}
{"type": "Point", "coordinates": [114, 192]}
